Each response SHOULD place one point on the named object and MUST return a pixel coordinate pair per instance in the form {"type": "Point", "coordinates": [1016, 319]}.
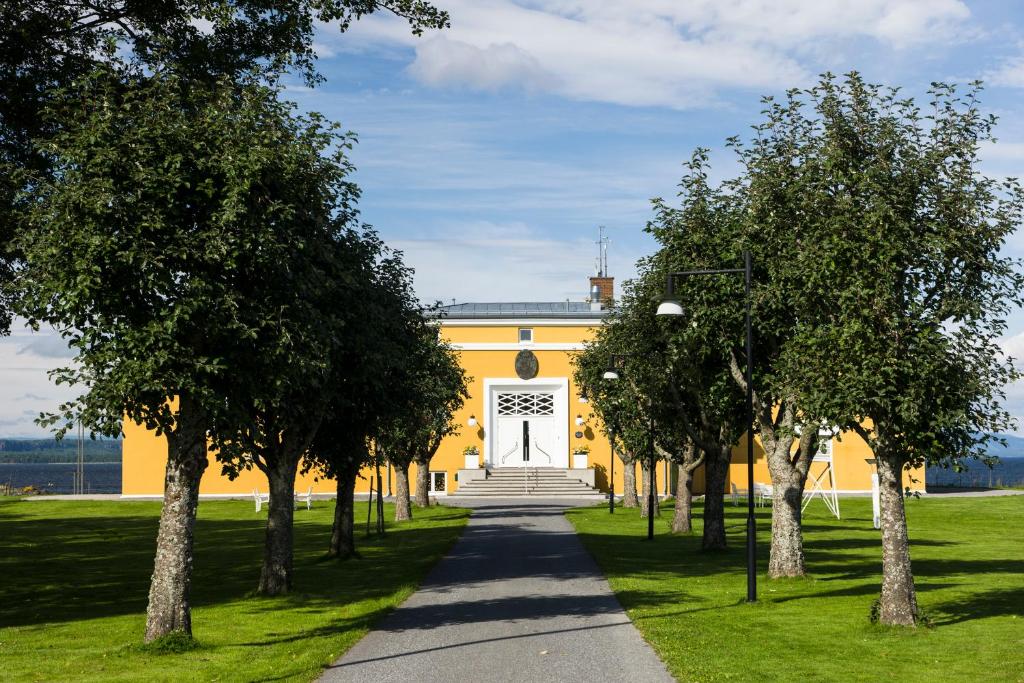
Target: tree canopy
{"type": "Point", "coordinates": [880, 290]}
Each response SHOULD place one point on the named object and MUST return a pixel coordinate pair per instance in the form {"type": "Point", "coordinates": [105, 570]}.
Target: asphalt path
{"type": "Point", "coordinates": [517, 599]}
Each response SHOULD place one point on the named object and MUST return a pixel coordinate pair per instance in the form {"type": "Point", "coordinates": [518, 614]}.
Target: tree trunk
{"type": "Point", "coordinates": [169, 609]}
{"type": "Point", "coordinates": [422, 483]}
{"type": "Point", "coordinates": [788, 478]}
{"type": "Point", "coordinates": [380, 500]}
{"type": "Point", "coordinates": [629, 499]}
{"type": "Point", "coordinates": [898, 605]}
{"type": "Point", "coordinates": [276, 575]}
{"type": "Point", "coordinates": [403, 506]}
{"type": "Point", "coordinates": [649, 476]}
{"type": "Point", "coordinates": [716, 468]}
{"type": "Point", "coordinates": [682, 520]}
{"type": "Point", "coordinates": [343, 538]}
{"type": "Point", "coordinates": [787, 553]}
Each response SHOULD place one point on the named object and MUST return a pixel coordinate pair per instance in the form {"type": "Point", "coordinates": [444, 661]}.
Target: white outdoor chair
{"type": "Point", "coordinates": [260, 499]}
{"type": "Point", "coordinates": [306, 498]}
{"type": "Point", "coordinates": [761, 491]}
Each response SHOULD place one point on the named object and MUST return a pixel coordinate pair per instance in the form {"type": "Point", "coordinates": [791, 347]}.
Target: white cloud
{"type": "Point", "coordinates": [323, 51]}
{"type": "Point", "coordinates": [482, 261]}
{"type": "Point", "coordinates": [653, 52]}
{"type": "Point", "coordinates": [444, 62]}
{"type": "Point", "coordinates": [1013, 346]}
{"type": "Point", "coordinates": [25, 388]}
{"type": "Point", "coordinates": [46, 345]}
{"type": "Point", "coordinates": [1009, 74]}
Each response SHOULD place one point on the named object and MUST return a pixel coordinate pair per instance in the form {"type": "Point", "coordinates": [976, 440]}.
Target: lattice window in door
{"type": "Point", "coordinates": [526, 404]}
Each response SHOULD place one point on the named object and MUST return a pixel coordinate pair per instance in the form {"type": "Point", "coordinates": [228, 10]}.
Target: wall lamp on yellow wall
{"type": "Point", "coordinates": [579, 420]}
{"type": "Point", "coordinates": [471, 421]}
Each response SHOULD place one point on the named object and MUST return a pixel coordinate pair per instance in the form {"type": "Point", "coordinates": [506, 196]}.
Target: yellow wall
{"type": "Point", "coordinates": [145, 454]}
{"type": "Point", "coordinates": [850, 468]}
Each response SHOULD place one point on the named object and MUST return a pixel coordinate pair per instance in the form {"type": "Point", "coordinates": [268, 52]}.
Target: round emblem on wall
{"type": "Point", "coordinates": [526, 365]}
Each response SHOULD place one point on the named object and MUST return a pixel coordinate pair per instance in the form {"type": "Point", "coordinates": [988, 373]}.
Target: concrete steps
{"type": "Point", "coordinates": [509, 482]}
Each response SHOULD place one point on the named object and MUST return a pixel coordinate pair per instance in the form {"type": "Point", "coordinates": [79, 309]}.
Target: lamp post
{"type": "Point", "coordinates": [671, 306]}
{"type": "Point", "coordinates": [611, 470]}
{"type": "Point", "coordinates": [612, 374]}
{"type": "Point", "coordinates": [616, 361]}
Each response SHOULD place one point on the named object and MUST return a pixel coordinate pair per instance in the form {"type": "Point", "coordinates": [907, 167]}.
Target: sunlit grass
{"type": "Point", "coordinates": [74, 578]}
{"type": "Point", "coordinates": [968, 558]}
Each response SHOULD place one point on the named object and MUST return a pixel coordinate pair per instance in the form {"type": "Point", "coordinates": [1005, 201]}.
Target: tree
{"type": "Point", "coordinates": [135, 247]}
{"type": "Point", "coordinates": [368, 380]}
{"type": "Point", "coordinates": [709, 408]}
{"type": "Point", "coordinates": [48, 45]}
{"type": "Point", "coordinates": [908, 235]}
{"type": "Point", "coordinates": [446, 392]}
{"type": "Point", "coordinates": [302, 297]}
{"type": "Point", "coordinates": [669, 381]}
{"type": "Point", "coordinates": [436, 386]}
{"type": "Point", "coordinates": [760, 211]}
{"type": "Point", "coordinates": [616, 404]}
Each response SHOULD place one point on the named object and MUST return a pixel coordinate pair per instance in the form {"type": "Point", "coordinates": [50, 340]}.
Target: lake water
{"type": "Point", "coordinates": [100, 477]}
{"type": "Point", "coordinates": [105, 477]}
{"type": "Point", "coordinates": [1009, 472]}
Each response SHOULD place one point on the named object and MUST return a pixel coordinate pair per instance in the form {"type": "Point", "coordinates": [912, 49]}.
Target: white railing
{"type": "Point", "coordinates": [546, 454]}
{"type": "Point", "coordinates": [509, 452]}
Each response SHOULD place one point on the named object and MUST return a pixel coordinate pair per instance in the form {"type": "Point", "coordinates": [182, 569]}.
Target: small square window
{"type": "Point", "coordinates": [438, 482]}
{"type": "Point", "coordinates": [525, 335]}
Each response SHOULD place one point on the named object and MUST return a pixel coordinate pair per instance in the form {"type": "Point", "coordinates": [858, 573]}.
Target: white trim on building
{"type": "Point", "coordinates": [502, 346]}
{"type": "Point", "coordinates": [518, 322]}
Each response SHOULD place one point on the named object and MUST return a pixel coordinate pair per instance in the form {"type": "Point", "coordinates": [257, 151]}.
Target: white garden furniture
{"type": "Point", "coordinates": [818, 488]}
{"type": "Point", "coordinates": [306, 498]}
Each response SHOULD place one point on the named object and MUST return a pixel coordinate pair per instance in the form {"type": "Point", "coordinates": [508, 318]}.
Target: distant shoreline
{"type": "Point", "coordinates": [61, 462]}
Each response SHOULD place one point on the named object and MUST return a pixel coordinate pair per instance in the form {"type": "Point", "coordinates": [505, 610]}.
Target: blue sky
{"type": "Point", "coordinates": [489, 153]}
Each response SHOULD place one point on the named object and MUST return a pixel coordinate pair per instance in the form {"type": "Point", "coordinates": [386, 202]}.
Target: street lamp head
{"type": "Point", "coordinates": [670, 306]}
{"type": "Point", "coordinates": [611, 374]}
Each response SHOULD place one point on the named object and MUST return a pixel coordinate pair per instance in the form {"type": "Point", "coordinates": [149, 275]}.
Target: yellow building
{"type": "Point", "coordinates": [525, 422]}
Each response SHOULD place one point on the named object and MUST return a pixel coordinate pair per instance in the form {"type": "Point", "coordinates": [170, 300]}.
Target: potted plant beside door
{"type": "Point", "coordinates": [472, 455]}
{"type": "Point", "coordinates": [579, 457]}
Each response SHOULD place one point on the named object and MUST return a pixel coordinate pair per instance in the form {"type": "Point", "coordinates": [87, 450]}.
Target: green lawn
{"type": "Point", "coordinates": [74, 578]}
{"type": "Point", "coordinates": [968, 557]}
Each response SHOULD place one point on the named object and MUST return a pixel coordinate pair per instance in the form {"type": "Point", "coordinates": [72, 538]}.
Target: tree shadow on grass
{"type": "Point", "coordinates": [78, 567]}
{"type": "Point", "coordinates": [995, 603]}
{"type": "Point", "coordinates": [837, 553]}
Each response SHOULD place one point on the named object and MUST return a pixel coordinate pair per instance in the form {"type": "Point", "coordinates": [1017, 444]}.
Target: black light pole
{"type": "Point", "coordinates": [612, 373]}
{"type": "Point", "coordinates": [652, 494]}
{"type": "Point", "coordinates": [671, 306]}
{"type": "Point", "coordinates": [611, 471]}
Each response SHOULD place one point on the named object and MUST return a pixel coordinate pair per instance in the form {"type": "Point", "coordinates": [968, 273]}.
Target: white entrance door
{"type": "Point", "coordinates": [526, 429]}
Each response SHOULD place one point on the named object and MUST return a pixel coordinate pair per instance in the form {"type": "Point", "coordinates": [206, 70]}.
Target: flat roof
{"type": "Point", "coordinates": [520, 309]}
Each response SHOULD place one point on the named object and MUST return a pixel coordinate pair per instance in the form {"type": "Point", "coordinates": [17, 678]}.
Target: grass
{"type": "Point", "coordinates": [968, 560]}
{"type": "Point", "coordinates": [74, 578]}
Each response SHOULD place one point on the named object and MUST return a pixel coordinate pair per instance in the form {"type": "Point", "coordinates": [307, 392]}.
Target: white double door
{"type": "Point", "coordinates": [526, 441]}
{"type": "Point", "coordinates": [526, 430]}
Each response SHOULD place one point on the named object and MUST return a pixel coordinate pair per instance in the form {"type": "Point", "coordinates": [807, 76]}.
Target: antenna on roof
{"type": "Point", "coordinates": [602, 252]}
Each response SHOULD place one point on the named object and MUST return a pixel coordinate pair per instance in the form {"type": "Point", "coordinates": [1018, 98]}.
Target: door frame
{"type": "Point", "coordinates": [559, 386]}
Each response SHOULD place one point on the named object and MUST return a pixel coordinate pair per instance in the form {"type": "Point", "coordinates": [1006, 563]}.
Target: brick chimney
{"type": "Point", "coordinates": [605, 288]}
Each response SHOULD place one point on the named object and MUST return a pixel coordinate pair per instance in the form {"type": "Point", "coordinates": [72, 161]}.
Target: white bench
{"type": "Point", "coordinates": [261, 498]}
